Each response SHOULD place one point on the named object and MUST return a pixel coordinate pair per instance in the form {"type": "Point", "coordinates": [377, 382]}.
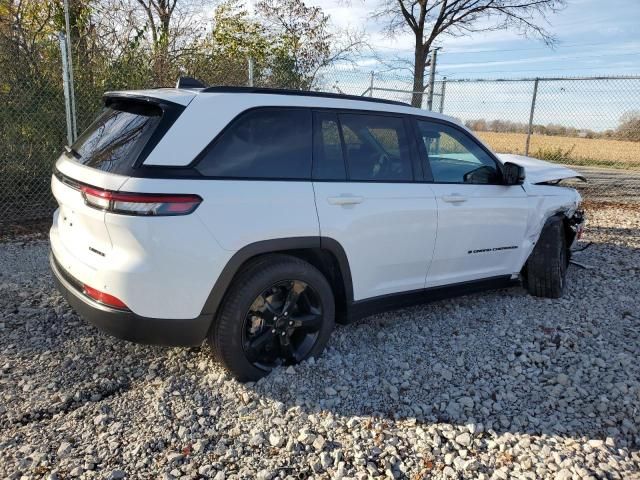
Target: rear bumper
{"type": "Point", "coordinates": [127, 325]}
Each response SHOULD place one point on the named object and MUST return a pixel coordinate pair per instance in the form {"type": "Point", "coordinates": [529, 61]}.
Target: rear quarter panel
{"type": "Point", "coordinates": [162, 267]}
{"type": "Point", "coordinates": [240, 212]}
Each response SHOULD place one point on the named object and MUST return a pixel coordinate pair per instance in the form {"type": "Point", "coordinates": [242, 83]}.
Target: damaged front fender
{"type": "Point", "coordinates": [539, 171]}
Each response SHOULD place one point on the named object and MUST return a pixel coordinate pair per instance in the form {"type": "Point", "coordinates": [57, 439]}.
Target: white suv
{"type": "Point", "coordinates": [255, 218]}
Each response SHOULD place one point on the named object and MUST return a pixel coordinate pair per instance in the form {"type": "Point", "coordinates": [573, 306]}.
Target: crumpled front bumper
{"type": "Point", "coordinates": [577, 224]}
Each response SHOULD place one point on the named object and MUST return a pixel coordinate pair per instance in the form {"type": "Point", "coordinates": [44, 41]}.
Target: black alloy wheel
{"type": "Point", "coordinates": [279, 310]}
{"type": "Point", "coordinates": [282, 325]}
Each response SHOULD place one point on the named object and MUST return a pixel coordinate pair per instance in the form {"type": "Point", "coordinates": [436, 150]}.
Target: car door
{"type": "Point", "coordinates": [481, 222]}
{"type": "Point", "coordinates": [368, 201]}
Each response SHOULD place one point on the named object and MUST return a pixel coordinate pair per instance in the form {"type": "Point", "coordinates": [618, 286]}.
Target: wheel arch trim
{"type": "Point", "coordinates": [276, 245]}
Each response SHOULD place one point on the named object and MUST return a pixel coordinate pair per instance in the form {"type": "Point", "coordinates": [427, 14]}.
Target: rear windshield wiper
{"type": "Point", "coordinates": [71, 151]}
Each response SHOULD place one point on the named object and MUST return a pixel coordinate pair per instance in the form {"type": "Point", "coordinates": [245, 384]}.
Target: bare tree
{"type": "Point", "coordinates": [159, 14]}
{"type": "Point", "coordinates": [167, 29]}
{"type": "Point", "coordinates": [304, 41]}
{"type": "Point", "coordinates": [428, 20]}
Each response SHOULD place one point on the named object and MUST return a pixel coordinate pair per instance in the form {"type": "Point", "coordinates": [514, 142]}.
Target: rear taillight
{"type": "Point", "coordinates": [103, 298]}
{"type": "Point", "coordinates": [148, 204]}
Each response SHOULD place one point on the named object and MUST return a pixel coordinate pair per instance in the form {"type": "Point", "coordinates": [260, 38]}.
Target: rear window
{"type": "Point", "coordinates": [115, 139]}
{"type": "Point", "coordinates": [266, 143]}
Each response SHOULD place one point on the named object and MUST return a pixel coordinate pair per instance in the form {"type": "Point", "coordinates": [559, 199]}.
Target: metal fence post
{"type": "Point", "coordinates": [533, 108]}
{"type": "Point", "coordinates": [442, 91]}
{"type": "Point", "coordinates": [250, 79]}
{"type": "Point", "coordinates": [72, 90]}
{"type": "Point", "coordinates": [371, 85]}
{"type": "Point", "coordinates": [65, 84]}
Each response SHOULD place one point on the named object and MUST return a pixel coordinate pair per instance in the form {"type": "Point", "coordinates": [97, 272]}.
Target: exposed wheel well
{"type": "Point", "coordinates": [569, 235]}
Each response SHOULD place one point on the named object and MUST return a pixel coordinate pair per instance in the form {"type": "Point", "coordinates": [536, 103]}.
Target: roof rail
{"type": "Point", "coordinates": [301, 93]}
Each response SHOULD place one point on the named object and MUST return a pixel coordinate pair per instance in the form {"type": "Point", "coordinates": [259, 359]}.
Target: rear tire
{"type": "Point", "coordinates": [279, 310]}
{"type": "Point", "coordinates": [546, 268]}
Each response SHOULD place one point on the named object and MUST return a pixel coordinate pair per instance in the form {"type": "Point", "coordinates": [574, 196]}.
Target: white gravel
{"type": "Point", "coordinates": [496, 385]}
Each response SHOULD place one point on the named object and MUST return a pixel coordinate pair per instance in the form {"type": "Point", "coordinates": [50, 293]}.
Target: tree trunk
{"type": "Point", "coordinates": [162, 64]}
{"type": "Point", "coordinates": [419, 65]}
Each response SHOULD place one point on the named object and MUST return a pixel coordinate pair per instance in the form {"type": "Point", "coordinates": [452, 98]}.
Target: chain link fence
{"type": "Point", "coordinates": [32, 133]}
{"type": "Point", "coordinates": [592, 124]}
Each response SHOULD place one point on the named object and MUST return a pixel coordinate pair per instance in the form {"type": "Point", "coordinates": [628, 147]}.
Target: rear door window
{"type": "Point", "coordinates": [328, 163]}
{"type": "Point", "coordinates": [377, 148]}
{"type": "Point", "coordinates": [262, 144]}
{"type": "Point", "coordinates": [114, 140]}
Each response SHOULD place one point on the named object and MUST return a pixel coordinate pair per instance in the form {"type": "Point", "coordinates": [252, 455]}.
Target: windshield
{"type": "Point", "coordinates": [115, 139]}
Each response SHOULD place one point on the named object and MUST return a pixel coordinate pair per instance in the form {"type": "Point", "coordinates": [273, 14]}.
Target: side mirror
{"type": "Point", "coordinates": [513, 174]}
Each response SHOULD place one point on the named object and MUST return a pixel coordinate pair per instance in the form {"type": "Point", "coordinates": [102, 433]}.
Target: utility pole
{"type": "Point", "coordinates": [432, 78]}
{"type": "Point", "coordinates": [72, 93]}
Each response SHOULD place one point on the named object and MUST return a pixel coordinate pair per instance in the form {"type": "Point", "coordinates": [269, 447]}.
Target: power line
{"type": "Point", "coordinates": [445, 66]}
{"type": "Point", "coordinates": [573, 57]}
{"type": "Point", "coordinates": [465, 72]}
{"type": "Point", "coordinates": [451, 52]}
{"type": "Point", "coordinates": [444, 69]}
{"type": "Point", "coordinates": [534, 60]}
{"type": "Point", "coordinates": [498, 50]}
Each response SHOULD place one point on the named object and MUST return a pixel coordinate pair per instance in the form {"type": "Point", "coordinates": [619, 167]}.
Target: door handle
{"type": "Point", "coordinates": [455, 198]}
{"type": "Point", "coordinates": [345, 200]}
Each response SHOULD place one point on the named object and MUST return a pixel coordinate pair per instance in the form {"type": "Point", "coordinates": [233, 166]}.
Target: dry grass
{"type": "Point", "coordinates": [578, 151]}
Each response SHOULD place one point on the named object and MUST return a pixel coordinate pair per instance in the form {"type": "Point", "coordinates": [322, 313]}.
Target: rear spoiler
{"type": "Point", "coordinates": [160, 97]}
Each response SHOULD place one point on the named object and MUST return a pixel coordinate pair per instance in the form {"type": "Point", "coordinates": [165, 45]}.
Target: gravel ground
{"type": "Point", "coordinates": [496, 385]}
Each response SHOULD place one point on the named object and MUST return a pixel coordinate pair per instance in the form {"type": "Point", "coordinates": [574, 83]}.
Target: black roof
{"type": "Point", "coordinates": [299, 93]}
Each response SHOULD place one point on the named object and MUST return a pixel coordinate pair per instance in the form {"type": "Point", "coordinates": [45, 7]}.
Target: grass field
{"type": "Point", "coordinates": [572, 150]}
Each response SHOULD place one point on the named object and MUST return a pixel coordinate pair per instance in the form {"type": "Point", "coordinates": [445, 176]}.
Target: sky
{"type": "Point", "coordinates": [593, 37]}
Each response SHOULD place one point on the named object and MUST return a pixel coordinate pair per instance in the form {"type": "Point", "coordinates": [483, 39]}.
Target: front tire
{"type": "Point", "coordinates": [546, 268]}
{"type": "Point", "coordinates": [279, 310]}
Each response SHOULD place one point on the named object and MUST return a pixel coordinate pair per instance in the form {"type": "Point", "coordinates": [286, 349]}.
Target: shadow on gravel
{"type": "Point", "coordinates": [51, 361]}
{"type": "Point", "coordinates": [503, 360]}
{"type": "Point", "coordinates": [621, 233]}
